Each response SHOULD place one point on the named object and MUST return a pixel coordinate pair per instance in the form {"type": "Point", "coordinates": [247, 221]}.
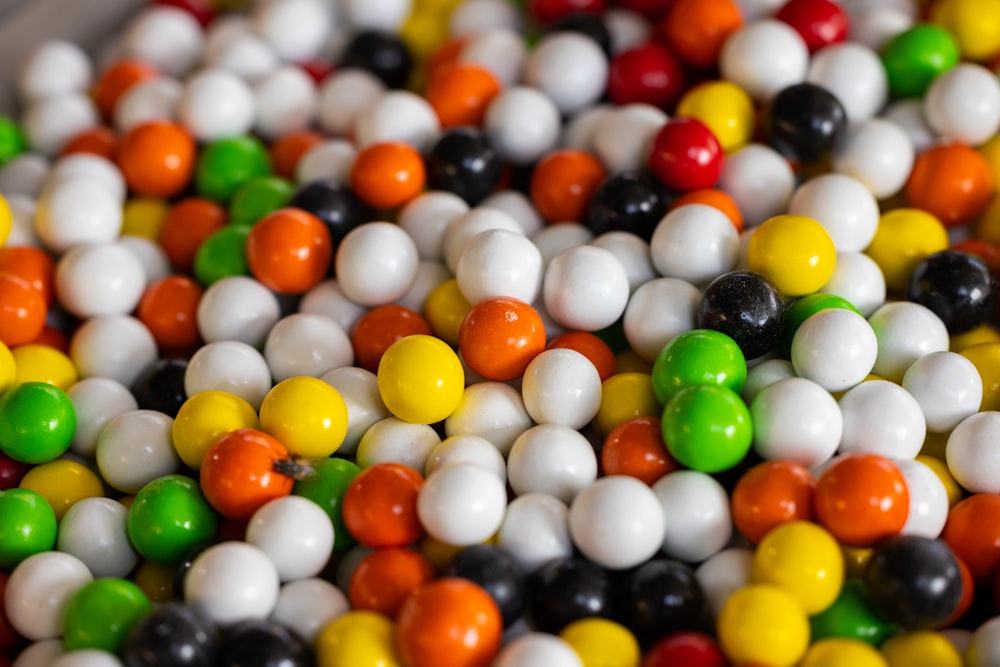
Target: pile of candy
{"type": "Point", "coordinates": [454, 334]}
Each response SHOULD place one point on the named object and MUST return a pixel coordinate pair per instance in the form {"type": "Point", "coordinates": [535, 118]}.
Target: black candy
{"type": "Point", "coordinates": [335, 204]}
{"type": "Point", "coordinates": [957, 286]}
{"type": "Point", "coordinates": [745, 306]}
{"type": "Point", "coordinates": [805, 123]}
{"type": "Point", "coordinates": [464, 162]}
{"type": "Point", "coordinates": [568, 589]}
{"type": "Point", "coordinates": [381, 53]}
{"type": "Point", "coordinates": [498, 573]}
{"type": "Point", "coordinates": [664, 596]}
{"type": "Point", "coordinates": [172, 635]}
{"type": "Point", "coordinates": [628, 202]}
{"type": "Point", "coordinates": [264, 644]}
{"type": "Point", "coordinates": [161, 386]}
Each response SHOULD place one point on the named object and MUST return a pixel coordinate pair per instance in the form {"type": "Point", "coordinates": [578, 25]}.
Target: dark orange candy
{"type": "Point", "coordinates": [380, 506]}
{"type": "Point", "coordinates": [385, 577]}
{"type": "Point", "coordinates": [636, 448]}
{"type": "Point", "coordinates": [769, 494]}
{"type": "Point", "coordinates": [157, 158]}
{"type": "Point", "coordinates": [449, 622]}
{"type": "Point", "coordinates": [862, 499]}
{"type": "Point", "coordinates": [500, 336]}
{"type": "Point", "coordinates": [242, 472]}
{"type": "Point", "coordinates": [952, 182]}
{"type": "Point", "coordinates": [22, 310]}
{"type": "Point", "coordinates": [387, 175]}
{"type": "Point", "coordinates": [563, 184]}
{"type": "Point", "coordinates": [289, 251]}
{"type": "Point", "coordinates": [116, 81]}
{"type": "Point", "coordinates": [186, 226]}
{"type": "Point", "coordinates": [169, 309]}
{"type": "Point", "coordinates": [460, 94]}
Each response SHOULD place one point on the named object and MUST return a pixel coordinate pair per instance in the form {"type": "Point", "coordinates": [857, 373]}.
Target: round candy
{"type": "Point", "coordinates": [156, 159]}
{"type": "Point", "coordinates": [769, 495]}
{"type": "Point", "coordinates": [242, 471]}
{"type": "Point", "coordinates": [585, 288]}
{"type": "Point", "coordinates": [763, 623]}
{"type": "Point", "coordinates": [63, 483]}
{"type": "Point", "coordinates": [226, 164]}
{"type": "Point", "coordinates": [835, 348]}
{"type": "Point", "coordinates": [376, 263]}
{"type": "Point", "coordinates": [307, 415]}
{"type": "Point", "coordinates": [805, 122]}
{"type": "Point", "coordinates": [500, 336]}
{"type": "Point", "coordinates": [835, 651]}
{"type": "Point", "coordinates": [881, 417]}
{"type": "Point", "coordinates": [970, 534]}
{"type": "Point", "coordinates": [915, 57]}
{"type": "Point", "coordinates": [905, 332]}
{"type": "Point", "coordinates": [380, 506]}
{"type": "Point", "coordinates": [914, 581]}
{"type": "Point", "coordinates": [167, 631]}
{"type": "Point", "coordinates": [385, 577]}
{"type": "Point", "coordinates": [38, 590]}
{"type": "Point", "coordinates": [362, 638]}
{"type": "Point", "coordinates": [536, 648]}
{"type": "Point", "coordinates": [27, 526]}
{"type": "Point", "coordinates": [698, 520]}
{"type": "Point", "coordinates": [852, 616]}
{"type": "Point", "coordinates": [796, 420]}
{"type": "Point", "coordinates": [698, 357]}
{"type": "Point", "coordinates": [805, 560]}
{"type": "Point", "coordinates": [169, 519]}
{"type": "Point", "coordinates": [686, 155]}
{"type": "Point", "coordinates": [37, 422]}
{"type": "Point", "coordinates": [957, 286]}
{"type": "Point", "coordinates": [600, 641]}
{"type": "Point", "coordinates": [536, 530]}
{"type": "Point", "coordinates": [695, 242]}
{"type": "Point", "coordinates": [862, 499]}
{"type": "Point", "coordinates": [764, 56]}
{"type": "Point", "coordinates": [449, 622]}
{"type": "Point", "coordinates": [745, 306]}
{"type": "Point", "coordinates": [95, 531]}
{"type": "Point", "coordinates": [461, 504]}
{"type": "Point", "coordinates": [952, 182]}
{"type": "Point", "coordinates": [231, 582]}
{"type": "Point", "coordinates": [707, 428]}
{"type": "Point", "coordinates": [289, 251]}
{"type": "Point", "coordinates": [795, 252]}
{"type": "Point", "coordinates": [420, 379]}
{"type": "Point", "coordinates": [295, 533]}
{"type": "Point", "coordinates": [617, 522]}
{"type": "Point", "coordinates": [102, 613]}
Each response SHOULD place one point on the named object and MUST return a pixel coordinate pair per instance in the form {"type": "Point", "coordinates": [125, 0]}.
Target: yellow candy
{"type": "Point", "coordinates": [206, 417]}
{"type": "Point", "coordinates": [421, 379]}
{"type": "Point", "coordinates": [307, 415]}
{"type": "Point", "coordinates": [764, 624]}
{"type": "Point", "coordinates": [41, 363]}
{"type": "Point", "coordinates": [624, 396]}
{"type": "Point", "coordinates": [357, 639]}
{"type": "Point", "coordinates": [795, 252]}
{"type": "Point", "coordinates": [904, 237]}
{"type": "Point", "coordinates": [63, 483]}
{"type": "Point", "coordinates": [602, 643]}
{"type": "Point", "coordinates": [805, 560]}
{"type": "Point", "coordinates": [725, 108]}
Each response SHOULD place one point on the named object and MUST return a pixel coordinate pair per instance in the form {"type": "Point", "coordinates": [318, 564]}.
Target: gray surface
{"type": "Point", "coordinates": [26, 23]}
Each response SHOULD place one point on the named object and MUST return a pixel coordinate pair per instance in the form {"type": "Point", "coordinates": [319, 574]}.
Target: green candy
{"type": "Point", "coordinates": [701, 356]}
{"type": "Point", "coordinates": [37, 422]}
{"type": "Point", "coordinates": [223, 254]}
{"type": "Point", "coordinates": [227, 164]}
{"type": "Point", "coordinates": [852, 616]}
{"type": "Point", "coordinates": [258, 197]}
{"type": "Point", "coordinates": [915, 57]}
{"type": "Point", "coordinates": [102, 613]}
{"type": "Point", "coordinates": [707, 428]}
{"type": "Point", "coordinates": [170, 518]}
{"type": "Point", "coordinates": [12, 141]}
{"type": "Point", "coordinates": [27, 526]}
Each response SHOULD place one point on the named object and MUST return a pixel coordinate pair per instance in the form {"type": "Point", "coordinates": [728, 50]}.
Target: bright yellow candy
{"type": "Point", "coordinates": [602, 643]}
{"type": "Point", "coordinates": [986, 358]}
{"type": "Point", "coordinates": [206, 417]}
{"type": "Point", "coordinates": [8, 369]}
{"type": "Point", "coordinates": [357, 639]}
{"type": "Point", "coordinates": [6, 221]}
{"type": "Point", "coordinates": [307, 415]}
{"type": "Point", "coordinates": [144, 217]}
{"type": "Point", "coordinates": [421, 379]}
{"type": "Point", "coordinates": [794, 252]}
{"type": "Point", "coordinates": [975, 24]}
{"type": "Point", "coordinates": [837, 652]}
{"type": "Point", "coordinates": [904, 237]}
{"type": "Point", "coordinates": [423, 31]}
{"type": "Point", "coordinates": [41, 363]}
{"type": "Point", "coordinates": [445, 308]}
{"type": "Point", "coordinates": [805, 560]}
{"type": "Point", "coordinates": [764, 624]}
{"type": "Point", "coordinates": [624, 396]}
{"type": "Point", "coordinates": [725, 108]}
{"type": "Point", "coordinates": [984, 333]}
{"type": "Point", "coordinates": [920, 649]}
{"type": "Point", "coordinates": [63, 483]}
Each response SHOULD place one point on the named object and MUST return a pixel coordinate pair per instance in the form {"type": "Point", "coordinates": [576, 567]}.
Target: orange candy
{"type": "Point", "coordinates": [22, 310]}
{"type": "Point", "coordinates": [240, 473]}
{"type": "Point", "coordinates": [289, 251]}
{"type": "Point", "coordinates": [169, 309]}
{"type": "Point", "coordinates": [769, 494]}
{"type": "Point", "coordinates": [715, 198]}
{"type": "Point", "coordinates": [460, 94]}
{"type": "Point", "coordinates": [636, 448]}
{"type": "Point", "coordinates": [862, 499]}
{"type": "Point", "coordinates": [32, 265]}
{"type": "Point", "coordinates": [449, 622]}
{"type": "Point", "coordinates": [157, 158]}
{"type": "Point", "coordinates": [387, 175]}
{"type": "Point", "coordinates": [380, 506]}
{"type": "Point", "coordinates": [696, 29]}
{"type": "Point", "coordinates": [98, 140]}
{"type": "Point", "coordinates": [187, 225]}
{"type": "Point", "coordinates": [591, 347]}
{"type": "Point", "coordinates": [385, 577]}
{"type": "Point", "coordinates": [117, 79]}
{"type": "Point", "coordinates": [379, 328]}
{"type": "Point", "coordinates": [973, 533]}
{"type": "Point", "coordinates": [500, 336]}
{"type": "Point", "coordinates": [563, 183]}
{"type": "Point", "coordinates": [952, 182]}
{"type": "Point", "coordinates": [288, 150]}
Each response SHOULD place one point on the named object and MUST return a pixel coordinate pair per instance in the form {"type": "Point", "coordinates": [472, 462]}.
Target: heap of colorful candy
{"type": "Point", "coordinates": [370, 334]}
